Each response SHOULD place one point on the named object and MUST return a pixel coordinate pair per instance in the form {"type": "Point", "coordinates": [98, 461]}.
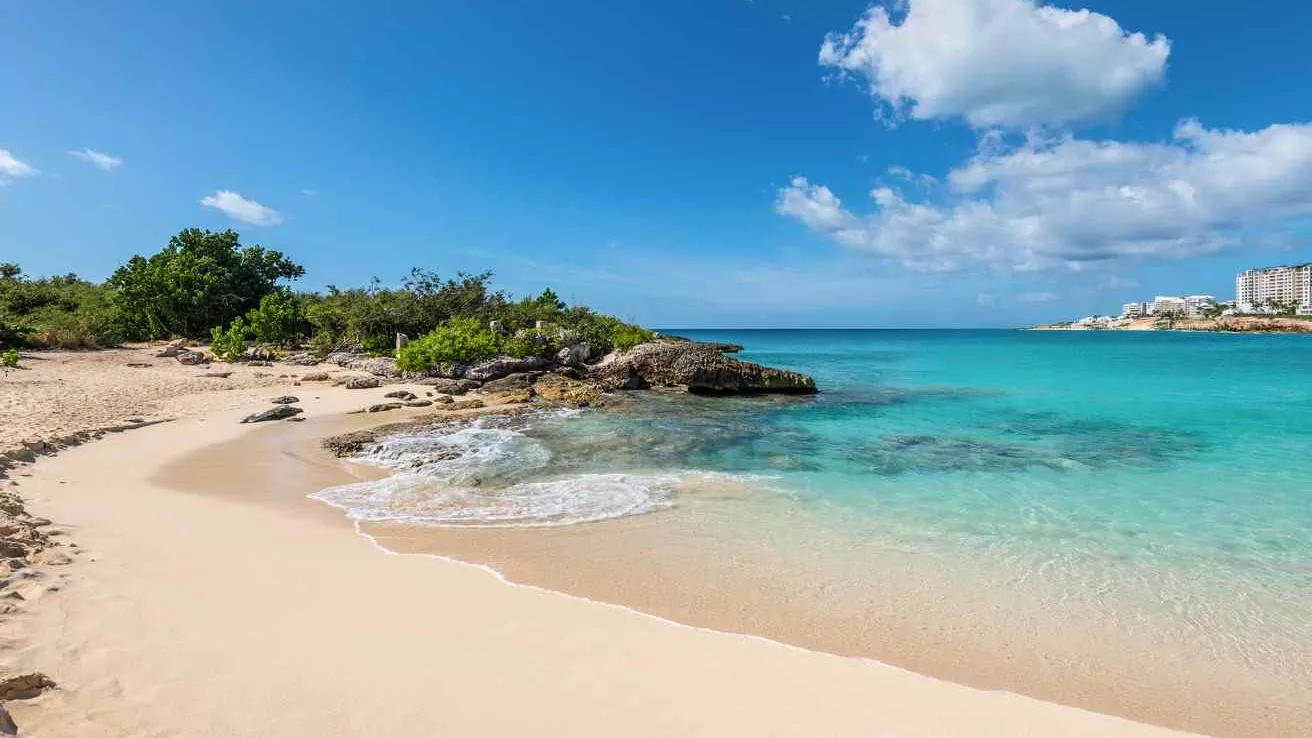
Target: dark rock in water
{"type": "Point", "coordinates": [191, 358]}
{"type": "Point", "coordinates": [349, 444]}
{"type": "Point", "coordinates": [510, 383]}
{"type": "Point", "coordinates": [285, 400]}
{"type": "Point", "coordinates": [400, 395]}
{"type": "Point", "coordinates": [383, 407]}
{"type": "Point", "coordinates": [450, 386]}
{"type": "Point", "coordinates": [273, 413]}
{"type": "Point", "coordinates": [504, 366]}
{"type": "Point", "coordinates": [362, 383]}
{"type": "Point", "coordinates": [700, 368]}
{"type": "Point", "coordinates": [24, 685]}
{"type": "Point", "coordinates": [557, 388]}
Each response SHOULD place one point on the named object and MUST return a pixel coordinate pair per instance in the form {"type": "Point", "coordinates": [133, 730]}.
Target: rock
{"type": "Point", "coordinates": [138, 365]}
{"type": "Point", "coordinates": [349, 444]}
{"type": "Point", "coordinates": [7, 726]}
{"type": "Point", "coordinates": [191, 358]}
{"type": "Point", "coordinates": [418, 403]}
{"type": "Point", "coordinates": [450, 386]}
{"type": "Point", "coordinates": [383, 407]}
{"type": "Point", "coordinates": [510, 383]}
{"type": "Point", "coordinates": [511, 397]}
{"type": "Point", "coordinates": [285, 400]}
{"type": "Point", "coordinates": [471, 404]}
{"type": "Point", "coordinates": [381, 366]}
{"type": "Point", "coordinates": [301, 358]}
{"type": "Point", "coordinates": [258, 353]}
{"type": "Point", "coordinates": [273, 413]}
{"type": "Point", "coordinates": [400, 395]}
{"type": "Point", "coordinates": [444, 399]}
{"type": "Point", "coordinates": [503, 366]}
{"type": "Point", "coordinates": [575, 355]}
{"type": "Point", "coordinates": [556, 388]}
{"type": "Point", "coordinates": [217, 375]}
{"type": "Point", "coordinates": [259, 363]}
{"type": "Point", "coordinates": [24, 685]}
{"type": "Point", "coordinates": [172, 349]}
{"type": "Point", "coordinates": [315, 377]}
{"type": "Point", "coordinates": [698, 367]}
{"type": "Point", "coordinates": [362, 383]}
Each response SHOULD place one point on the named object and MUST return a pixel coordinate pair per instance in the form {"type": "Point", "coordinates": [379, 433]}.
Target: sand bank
{"type": "Point", "coordinates": [204, 612]}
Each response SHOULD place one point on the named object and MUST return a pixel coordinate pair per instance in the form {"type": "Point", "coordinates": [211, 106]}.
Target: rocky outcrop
{"type": "Point", "coordinates": [379, 366]}
{"type": "Point", "coordinates": [449, 386]}
{"type": "Point", "coordinates": [504, 366]}
{"type": "Point", "coordinates": [402, 395]}
{"type": "Point", "coordinates": [698, 367]}
{"type": "Point", "coordinates": [274, 413]}
{"type": "Point", "coordinates": [362, 383]}
{"type": "Point", "coordinates": [510, 383]}
{"type": "Point", "coordinates": [191, 358]}
{"type": "Point", "coordinates": [383, 407]}
{"type": "Point", "coordinates": [567, 391]}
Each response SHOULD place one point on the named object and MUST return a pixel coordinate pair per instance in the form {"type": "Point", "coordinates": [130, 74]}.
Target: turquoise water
{"type": "Point", "coordinates": [1163, 479]}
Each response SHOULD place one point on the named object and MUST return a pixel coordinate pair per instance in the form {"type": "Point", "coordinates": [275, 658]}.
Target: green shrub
{"type": "Point", "coordinates": [459, 340]}
{"type": "Point", "coordinates": [626, 336]}
{"type": "Point", "coordinates": [278, 319]}
{"type": "Point", "coordinates": [10, 359]}
{"type": "Point", "coordinates": [228, 345]}
{"type": "Point", "coordinates": [12, 333]}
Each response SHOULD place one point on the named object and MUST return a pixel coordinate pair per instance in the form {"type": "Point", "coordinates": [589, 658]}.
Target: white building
{"type": "Point", "coordinates": [1164, 305]}
{"type": "Point", "coordinates": [1135, 309]}
{"type": "Point", "coordinates": [1194, 305]}
{"type": "Point", "coordinates": [1291, 285]}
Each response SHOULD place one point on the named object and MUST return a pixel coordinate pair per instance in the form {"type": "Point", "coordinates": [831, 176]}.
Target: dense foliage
{"type": "Point", "coordinates": [56, 312]}
{"type": "Point", "coordinates": [204, 284]}
{"type": "Point", "coordinates": [201, 279]}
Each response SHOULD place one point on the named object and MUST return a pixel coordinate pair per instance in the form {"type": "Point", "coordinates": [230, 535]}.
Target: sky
{"type": "Point", "coordinates": [688, 163]}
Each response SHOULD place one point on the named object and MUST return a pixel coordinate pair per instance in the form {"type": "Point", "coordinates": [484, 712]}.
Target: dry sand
{"type": "Point", "coordinates": [213, 611]}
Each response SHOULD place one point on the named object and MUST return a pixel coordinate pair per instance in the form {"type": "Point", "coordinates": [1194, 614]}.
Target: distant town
{"type": "Point", "coordinates": [1270, 292]}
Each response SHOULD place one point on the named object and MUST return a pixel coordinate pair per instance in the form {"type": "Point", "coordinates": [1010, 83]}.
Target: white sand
{"type": "Point", "coordinates": [190, 614]}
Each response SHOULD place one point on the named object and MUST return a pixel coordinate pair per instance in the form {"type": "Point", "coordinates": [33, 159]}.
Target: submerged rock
{"type": "Point", "coordinates": [698, 367]}
{"type": "Point", "coordinates": [273, 413]}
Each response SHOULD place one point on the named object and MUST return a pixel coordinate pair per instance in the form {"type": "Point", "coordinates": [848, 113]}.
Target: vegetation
{"type": "Point", "coordinates": [199, 280]}
{"type": "Point", "coordinates": [10, 359]}
{"type": "Point", "coordinates": [204, 284]}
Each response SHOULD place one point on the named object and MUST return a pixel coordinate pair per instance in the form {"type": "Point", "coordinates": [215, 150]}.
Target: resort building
{"type": "Point", "coordinates": [1194, 305]}
{"type": "Point", "coordinates": [1291, 285]}
{"type": "Point", "coordinates": [1136, 310]}
{"type": "Point", "coordinates": [1164, 305]}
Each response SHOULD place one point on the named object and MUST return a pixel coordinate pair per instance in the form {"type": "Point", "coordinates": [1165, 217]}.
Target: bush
{"type": "Point", "coordinates": [200, 279]}
{"type": "Point", "coordinates": [460, 340]}
{"type": "Point", "coordinates": [625, 337]}
{"type": "Point", "coordinates": [10, 359]}
{"type": "Point", "coordinates": [12, 333]}
{"type": "Point", "coordinates": [230, 344]}
{"type": "Point", "coordinates": [278, 319]}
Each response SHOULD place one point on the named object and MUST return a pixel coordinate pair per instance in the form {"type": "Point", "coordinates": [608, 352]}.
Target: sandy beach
{"type": "Point", "coordinates": [194, 607]}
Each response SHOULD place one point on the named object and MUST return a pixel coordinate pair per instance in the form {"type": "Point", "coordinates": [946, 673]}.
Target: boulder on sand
{"type": "Point", "coordinates": [285, 400]}
{"type": "Point", "coordinates": [449, 386]}
{"type": "Point", "coordinates": [24, 685]}
{"type": "Point", "coordinates": [273, 413]}
{"type": "Point", "coordinates": [503, 366]}
{"type": "Point", "coordinates": [362, 382]}
{"type": "Point", "coordinates": [698, 367]}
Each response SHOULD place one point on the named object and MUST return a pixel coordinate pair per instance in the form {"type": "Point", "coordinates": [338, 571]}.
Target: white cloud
{"type": "Point", "coordinates": [1065, 201]}
{"type": "Point", "coordinates": [309, 193]}
{"type": "Point", "coordinates": [1011, 63]}
{"type": "Point", "coordinates": [11, 168]}
{"type": "Point", "coordinates": [242, 210]}
{"type": "Point", "coordinates": [98, 158]}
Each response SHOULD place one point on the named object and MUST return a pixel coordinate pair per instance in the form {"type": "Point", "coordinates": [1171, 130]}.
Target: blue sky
{"type": "Point", "coordinates": [685, 163]}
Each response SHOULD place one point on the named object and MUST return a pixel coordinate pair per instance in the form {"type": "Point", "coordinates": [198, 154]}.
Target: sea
{"type": "Point", "coordinates": [1151, 490]}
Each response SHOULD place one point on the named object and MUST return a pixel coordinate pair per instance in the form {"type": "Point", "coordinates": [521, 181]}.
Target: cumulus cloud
{"type": "Point", "coordinates": [11, 168]}
{"type": "Point", "coordinates": [1008, 63]}
{"type": "Point", "coordinates": [242, 210]}
{"type": "Point", "coordinates": [97, 158]}
{"type": "Point", "coordinates": [1066, 201]}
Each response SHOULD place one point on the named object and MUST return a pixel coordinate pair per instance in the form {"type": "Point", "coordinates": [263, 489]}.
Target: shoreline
{"type": "Point", "coordinates": [107, 601]}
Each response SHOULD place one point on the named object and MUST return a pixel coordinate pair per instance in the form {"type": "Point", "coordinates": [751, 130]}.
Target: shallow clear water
{"type": "Point", "coordinates": [1168, 474]}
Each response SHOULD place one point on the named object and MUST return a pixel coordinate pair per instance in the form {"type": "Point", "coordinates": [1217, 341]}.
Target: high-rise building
{"type": "Point", "coordinates": [1135, 309]}
{"type": "Point", "coordinates": [1291, 285]}
{"type": "Point", "coordinates": [1164, 305]}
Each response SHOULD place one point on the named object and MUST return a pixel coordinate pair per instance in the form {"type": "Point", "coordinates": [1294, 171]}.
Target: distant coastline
{"type": "Point", "coordinates": [1229, 324]}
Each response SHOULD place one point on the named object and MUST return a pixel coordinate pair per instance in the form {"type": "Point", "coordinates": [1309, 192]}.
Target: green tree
{"type": "Point", "coordinates": [199, 280]}
{"type": "Point", "coordinates": [279, 318]}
